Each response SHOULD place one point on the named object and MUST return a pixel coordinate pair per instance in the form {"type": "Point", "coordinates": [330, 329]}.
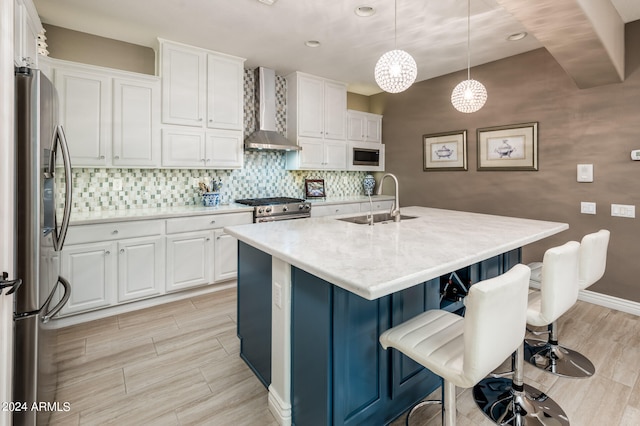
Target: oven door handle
{"type": "Point", "coordinates": [282, 217]}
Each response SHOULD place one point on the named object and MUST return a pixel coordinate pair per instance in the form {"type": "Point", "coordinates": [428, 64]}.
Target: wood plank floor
{"type": "Point", "coordinates": [178, 364]}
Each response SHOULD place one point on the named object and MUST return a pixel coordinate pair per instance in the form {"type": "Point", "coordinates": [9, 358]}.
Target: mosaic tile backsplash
{"type": "Point", "coordinates": [263, 175]}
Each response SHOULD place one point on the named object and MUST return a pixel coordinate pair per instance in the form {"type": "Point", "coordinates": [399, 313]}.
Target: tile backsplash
{"type": "Point", "coordinates": [263, 175]}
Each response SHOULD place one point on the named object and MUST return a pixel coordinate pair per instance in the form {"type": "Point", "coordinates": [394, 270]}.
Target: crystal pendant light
{"type": "Point", "coordinates": [470, 95]}
{"type": "Point", "coordinates": [396, 70]}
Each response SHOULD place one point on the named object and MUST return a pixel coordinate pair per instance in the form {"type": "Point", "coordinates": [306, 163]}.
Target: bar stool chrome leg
{"type": "Point", "coordinates": [556, 359]}
{"type": "Point", "coordinates": [512, 402]}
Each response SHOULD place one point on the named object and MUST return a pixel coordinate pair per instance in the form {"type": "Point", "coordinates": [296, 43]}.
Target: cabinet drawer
{"type": "Point", "coordinates": [79, 234]}
{"type": "Point", "coordinates": [377, 205]}
{"type": "Point", "coordinates": [199, 223]}
{"type": "Point", "coordinates": [334, 209]}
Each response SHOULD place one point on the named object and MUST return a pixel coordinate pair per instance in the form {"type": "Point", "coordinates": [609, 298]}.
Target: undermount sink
{"type": "Point", "coordinates": [377, 218]}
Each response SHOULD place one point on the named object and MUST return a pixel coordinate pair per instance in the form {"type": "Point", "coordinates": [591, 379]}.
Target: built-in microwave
{"type": "Point", "coordinates": [366, 156]}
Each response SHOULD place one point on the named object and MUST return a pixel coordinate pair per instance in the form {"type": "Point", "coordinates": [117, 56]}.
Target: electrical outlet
{"type": "Point", "coordinates": [585, 172]}
{"type": "Point", "coordinates": [277, 295]}
{"type": "Point", "coordinates": [195, 182]}
{"type": "Point", "coordinates": [117, 184]}
{"type": "Point", "coordinates": [345, 180]}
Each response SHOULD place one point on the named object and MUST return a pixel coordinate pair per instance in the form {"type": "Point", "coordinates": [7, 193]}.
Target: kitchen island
{"type": "Point", "coordinates": [315, 294]}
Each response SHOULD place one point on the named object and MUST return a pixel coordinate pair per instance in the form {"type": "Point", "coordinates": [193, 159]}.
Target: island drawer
{"type": "Point", "coordinates": [334, 209]}
{"type": "Point", "coordinates": [199, 223]}
{"type": "Point", "coordinates": [80, 234]}
{"type": "Point", "coordinates": [377, 205]}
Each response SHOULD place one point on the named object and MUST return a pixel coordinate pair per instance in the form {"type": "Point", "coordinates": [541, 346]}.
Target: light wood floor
{"type": "Point", "coordinates": [178, 364]}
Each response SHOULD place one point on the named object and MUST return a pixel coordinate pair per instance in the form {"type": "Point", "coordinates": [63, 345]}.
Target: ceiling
{"type": "Point", "coordinates": [434, 32]}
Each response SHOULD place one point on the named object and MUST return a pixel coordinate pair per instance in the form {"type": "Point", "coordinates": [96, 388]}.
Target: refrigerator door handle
{"type": "Point", "coordinates": [48, 314]}
{"type": "Point", "coordinates": [13, 285]}
{"type": "Point", "coordinates": [60, 138]}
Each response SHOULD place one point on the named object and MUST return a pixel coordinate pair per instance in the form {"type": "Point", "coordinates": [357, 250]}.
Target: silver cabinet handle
{"type": "Point", "coordinates": [122, 250]}
{"type": "Point", "coordinates": [102, 157]}
{"type": "Point", "coordinates": [213, 221]}
{"type": "Point", "coordinates": [117, 157]}
{"type": "Point", "coordinates": [208, 239]}
{"type": "Point", "coordinates": [115, 232]}
{"type": "Point", "coordinates": [107, 252]}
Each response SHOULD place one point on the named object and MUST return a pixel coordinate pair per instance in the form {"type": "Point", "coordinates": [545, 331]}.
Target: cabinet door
{"type": "Point", "coordinates": [335, 110]}
{"type": "Point", "coordinates": [189, 260]}
{"type": "Point", "coordinates": [85, 113]}
{"type": "Point", "coordinates": [136, 116]}
{"type": "Point", "coordinates": [335, 155]}
{"type": "Point", "coordinates": [311, 157]}
{"type": "Point", "coordinates": [226, 256]}
{"type": "Point", "coordinates": [224, 149]}
{"type": "Point", "coordinates": [91, 270]}
{"type": "Point", "coordinates": [183, 148]}
{"type": "Point", "coordinates": [373, 128]}
{"type": "Point", "coordinates": [183, 85]}
{"type": "Point", "coordinates": [355, 126]}
{"type": "Point", "coordinates": [225, 97]}
{"type": "Point", "coordinates": [140, 268]}
{"type": "Point", "coordinates": [310, 106]}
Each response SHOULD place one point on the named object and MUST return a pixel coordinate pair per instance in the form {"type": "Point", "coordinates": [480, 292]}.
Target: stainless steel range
{"type": "Point", "coordinates": [277, 208]}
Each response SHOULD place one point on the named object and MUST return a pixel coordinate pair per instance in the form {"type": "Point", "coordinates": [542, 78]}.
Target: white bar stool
{"type": "Point", "coordinates": [549, 355]}
{"type": "Point", "coordinates": [511, 401]}
{"type": "Point", "coordinates": [464, 350]}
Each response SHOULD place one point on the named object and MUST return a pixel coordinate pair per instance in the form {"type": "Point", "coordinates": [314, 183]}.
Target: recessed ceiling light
{"type": "Point", "coordinates": [365, 11]}
{"type": "Point", "coordinates": [268, 2]}
{"type": "Point", "coordinates": [312, 43]}
{"type": "Point", "coordinates": [517, 36]}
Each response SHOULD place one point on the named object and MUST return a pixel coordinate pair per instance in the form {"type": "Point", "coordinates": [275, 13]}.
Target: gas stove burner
{"type": "Point", "coordinates": [269, 201]}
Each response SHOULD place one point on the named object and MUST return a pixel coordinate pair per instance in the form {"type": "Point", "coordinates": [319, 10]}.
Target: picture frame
{"type": "Point", "coordinates": [511, 147]}
{"type": "Point", "coordinates": [445, 151]}
{"type": "Point", "coordinates": [314, 188]}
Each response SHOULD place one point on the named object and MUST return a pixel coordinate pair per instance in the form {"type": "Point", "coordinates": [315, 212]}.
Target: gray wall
{"type": "Point", "coordinates": [598, 126]}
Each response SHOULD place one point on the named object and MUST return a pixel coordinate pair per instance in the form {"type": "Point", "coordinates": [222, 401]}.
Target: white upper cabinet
{"type": "Point", "coordinates": [184, 78]}
{"type": "Point", "coordinates": [316, 107]}
{"type": "Point", "coordinates": [85, 113]}
{"type": "Point", "coordinates": [318, 154]}
{"type": "Point", "coordinates": [364, 126]}
{"type": "Point", "coordinates": [201, 88]}
{"type": "Point", "coordinates": [225, 86]}
{"type": "Point", "coordinates": [136, 122]}
{"type": "Point", "coordinates": [27, 25]}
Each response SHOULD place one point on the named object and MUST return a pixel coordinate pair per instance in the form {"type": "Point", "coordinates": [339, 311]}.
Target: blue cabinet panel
{"type": "Point", "coordinates": [254, 310]}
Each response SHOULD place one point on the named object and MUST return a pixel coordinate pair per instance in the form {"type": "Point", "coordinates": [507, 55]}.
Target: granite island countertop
{"type": "Point", "coordinates": [375, 261]}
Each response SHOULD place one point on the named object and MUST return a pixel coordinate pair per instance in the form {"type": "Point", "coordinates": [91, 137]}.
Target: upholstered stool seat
{"type": "Point", "coordinates": [508, 401]}
{"type": "Point", "coordinates": [549, 355]}
{"type": "Point", "coordinates": [464, 350]}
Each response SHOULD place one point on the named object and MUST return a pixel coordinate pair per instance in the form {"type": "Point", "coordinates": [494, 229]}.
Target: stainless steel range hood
{"type": "Point", "coordinates": [266, 137]}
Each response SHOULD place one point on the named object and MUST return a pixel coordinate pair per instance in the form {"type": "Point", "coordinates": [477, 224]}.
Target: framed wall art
{"type": "Point", "coordinates": [512, 147]}
{"type": "Point", "coordinates": [445, 151]}
{"type": "Point", "coordinates": [314, 188]}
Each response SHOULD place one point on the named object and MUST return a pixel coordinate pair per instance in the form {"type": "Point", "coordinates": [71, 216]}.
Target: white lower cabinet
{"type": "Point", "coordinates": [91, 270]}
{"type": "Point", "coordinates": [189, 260]}
{"type": "Point", "coordinates": [140, 268]}
{"type": "Point", "coordinates": [226, 256]}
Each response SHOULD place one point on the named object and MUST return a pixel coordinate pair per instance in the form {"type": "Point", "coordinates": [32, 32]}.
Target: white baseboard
{"type": "Point", "coordinates": [612, 302]}
{"type": "Point", "coordinates": [280, 409]}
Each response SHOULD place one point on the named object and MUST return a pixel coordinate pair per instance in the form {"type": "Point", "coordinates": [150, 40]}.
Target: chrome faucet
{"type": "Point", "coordinates": [395, 208]}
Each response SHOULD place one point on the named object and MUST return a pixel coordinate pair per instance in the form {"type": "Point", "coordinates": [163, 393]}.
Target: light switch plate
{"type": "Point", "coordinates": [117, 184]}
{"type": "Point", "coordinates": [585, 172]}
{"type": "Point", "coordinates": [587, 207]}
{"type": "Point", "coordinates": [623, 210]}
{"type": "Point", "coordinates": [635, 154]}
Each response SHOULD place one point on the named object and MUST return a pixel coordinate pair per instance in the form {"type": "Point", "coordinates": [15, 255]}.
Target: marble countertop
{"type": "Point", "coordinates": [107, 216]}
{"type": "Point", "coordinates": [375, 261]}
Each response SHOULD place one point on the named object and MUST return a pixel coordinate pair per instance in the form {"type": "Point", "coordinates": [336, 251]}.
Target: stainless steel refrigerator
{"type": "Point", "coordinates": [41, 152]}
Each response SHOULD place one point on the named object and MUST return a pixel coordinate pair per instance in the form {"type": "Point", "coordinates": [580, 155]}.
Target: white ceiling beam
{"type": "Point", "coordinates": [586, 37]}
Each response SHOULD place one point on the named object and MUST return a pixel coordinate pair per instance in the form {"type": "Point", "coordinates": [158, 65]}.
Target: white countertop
{"type": "Point", "coordinates": [375, 261]}
{"type": "Point", "coordinates": [106, 216]}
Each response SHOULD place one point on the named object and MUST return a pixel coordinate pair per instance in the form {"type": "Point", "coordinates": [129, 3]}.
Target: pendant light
{"type": "Point", "coordinates": [470, 95]}
{"type": "Point", "coordinates": [396, 70]}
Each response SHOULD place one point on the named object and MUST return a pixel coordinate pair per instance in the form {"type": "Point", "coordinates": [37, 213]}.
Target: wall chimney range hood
{"type": "Point", "coordinates": [266, 137]}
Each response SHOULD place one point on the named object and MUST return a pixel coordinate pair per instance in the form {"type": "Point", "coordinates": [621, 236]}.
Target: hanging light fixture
{"type": "Point", "coordinates": [396, 70]}
{"type": "Point", "coordinates": [470, 95]}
